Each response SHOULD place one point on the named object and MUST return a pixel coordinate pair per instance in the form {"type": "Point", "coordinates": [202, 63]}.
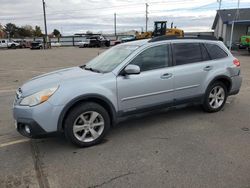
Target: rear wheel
{"type": "Point", "coordinates": [13, 46]}
{"type": "Point", "coordinates": [87, 124]}
{"type": "Point", "coordinates": [215, 97]}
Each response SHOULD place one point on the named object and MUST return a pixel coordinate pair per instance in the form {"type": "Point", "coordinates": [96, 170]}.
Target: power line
{"type": "Point", "coordinates": [65, 12]}
{"type": "Point", "coordinates": [152, 11]}
{"type": "Point", "coordinates": [173, 2]}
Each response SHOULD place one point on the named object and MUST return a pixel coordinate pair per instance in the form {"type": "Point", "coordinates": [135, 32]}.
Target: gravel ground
{"type": "Point", "coordinates": [183, 147]}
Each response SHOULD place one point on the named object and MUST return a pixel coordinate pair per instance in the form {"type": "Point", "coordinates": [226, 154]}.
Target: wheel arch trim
{"type": "Point", "coordinates": [219, 78]}
{"type": "Point", "coordinates": [83, 98]}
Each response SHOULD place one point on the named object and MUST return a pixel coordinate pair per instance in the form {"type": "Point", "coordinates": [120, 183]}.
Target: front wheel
{"type": "Point", "coordinates": [215, 97]}
{"type": "Point", "coordinates": [87, 124]}
{"type": "Point", "coordinates": [13, 46]}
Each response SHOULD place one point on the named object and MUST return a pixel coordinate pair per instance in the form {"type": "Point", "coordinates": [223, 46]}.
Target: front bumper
{"type": "Point", "coordinates": [34, 129]}
{"type": "Point", "coordinates": [41, 119]}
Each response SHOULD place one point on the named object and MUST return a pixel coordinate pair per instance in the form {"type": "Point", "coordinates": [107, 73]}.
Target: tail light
{"type": "Point", "coordinates": [236, 62]}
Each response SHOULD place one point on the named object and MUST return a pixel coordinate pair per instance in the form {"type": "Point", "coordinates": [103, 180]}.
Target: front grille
{"type": "Point", "coordinates": [18, 93]}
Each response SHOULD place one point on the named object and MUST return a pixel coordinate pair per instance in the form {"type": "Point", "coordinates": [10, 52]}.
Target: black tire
{"type": "Point", "coordinates": [107, 43]}
{"type": "Point", "coordinates": [13, 46]}
{"type": "Point", "coordinates": [206, 105]}
{"type": "Point", "coordinates": [73, 116]}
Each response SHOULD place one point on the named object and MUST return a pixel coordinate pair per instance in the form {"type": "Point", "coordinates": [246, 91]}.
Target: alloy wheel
{"type": "Point", "coordinates": [88, 126]}
{"type": "Point", "coordinates": [216, 97]}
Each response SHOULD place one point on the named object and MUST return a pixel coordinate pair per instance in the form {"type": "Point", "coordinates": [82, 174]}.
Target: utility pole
{"type": "Point", "coordinates": [219, 1]}
{"type": "Point", "coordinates": [115, 25]}
{"type": "Point", "coordinates": [45, 25]}
{"type": "Point", "coordinates": [146, 29]}
{"type": "Point", "coordinates": [232, 29]}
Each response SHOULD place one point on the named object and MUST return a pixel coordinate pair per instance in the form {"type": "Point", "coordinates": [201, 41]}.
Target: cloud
{"type": "Point", "coordinates": [73, 16]}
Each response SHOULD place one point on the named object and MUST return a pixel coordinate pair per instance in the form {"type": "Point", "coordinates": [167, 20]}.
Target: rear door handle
{"type": "Point", "coordinates": [166, 75]}
{"type": "Point", "coordinates": [207, 68]}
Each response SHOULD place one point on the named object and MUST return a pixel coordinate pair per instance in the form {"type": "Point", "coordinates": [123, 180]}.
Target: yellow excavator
{"type": "Point", "coordinates": [160, 29]}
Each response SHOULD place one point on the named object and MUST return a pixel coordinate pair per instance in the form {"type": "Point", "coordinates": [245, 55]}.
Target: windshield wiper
{"type": "Point", "coordinates": [91, 69]}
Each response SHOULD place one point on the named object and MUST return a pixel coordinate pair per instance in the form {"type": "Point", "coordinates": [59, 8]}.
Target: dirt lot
{"type": "Point", "coordinates": [179, 148]}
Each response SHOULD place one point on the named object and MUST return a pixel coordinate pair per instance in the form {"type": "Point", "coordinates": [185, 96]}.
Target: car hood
{"type": "Point", "coordinates": [55, 78]}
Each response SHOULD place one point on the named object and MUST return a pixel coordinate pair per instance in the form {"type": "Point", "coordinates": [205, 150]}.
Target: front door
{"type": "Point", "coordinates": [153, 86]}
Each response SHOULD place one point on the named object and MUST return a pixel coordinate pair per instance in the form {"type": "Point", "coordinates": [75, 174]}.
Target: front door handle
{"type": "Point", "coordinates": [166, 75]}
{"type": "Point", "coordinates": [208, 68]}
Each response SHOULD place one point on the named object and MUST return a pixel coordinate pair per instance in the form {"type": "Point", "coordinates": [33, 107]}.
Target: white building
{"type": "Point", "coordinates": [223, 23]}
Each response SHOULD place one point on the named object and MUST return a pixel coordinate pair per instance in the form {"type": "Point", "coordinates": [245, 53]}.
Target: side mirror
{"type": "Point", "coordinates": [132, 69]}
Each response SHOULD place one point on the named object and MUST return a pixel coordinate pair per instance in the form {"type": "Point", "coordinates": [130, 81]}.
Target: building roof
{"type": "Point", "coordinates": [228, 15]}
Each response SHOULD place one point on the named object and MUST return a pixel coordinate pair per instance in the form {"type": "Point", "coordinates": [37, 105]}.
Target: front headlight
{"type": "Point", "coordinates": [39, 97]}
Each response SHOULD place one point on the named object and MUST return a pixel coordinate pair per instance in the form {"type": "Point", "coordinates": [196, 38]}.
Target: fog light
{"type": "Point", "coordinates": [27, 129]}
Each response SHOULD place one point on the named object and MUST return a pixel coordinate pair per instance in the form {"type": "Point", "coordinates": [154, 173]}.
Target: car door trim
{"type": "Point", "coordinates": [157, 93]}
{"type": "Point", "coordinates": [147, 95]}
{"type": "Point", "coordinates": [186, 87]}
{"type": "Point", "coordinates": [197, 99]}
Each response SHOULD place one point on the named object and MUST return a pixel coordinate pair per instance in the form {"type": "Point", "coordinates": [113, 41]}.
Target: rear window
{"type": "Point", "coordinates": [186, 53]}
{"type": "Point", "coordinates": [215, 52]}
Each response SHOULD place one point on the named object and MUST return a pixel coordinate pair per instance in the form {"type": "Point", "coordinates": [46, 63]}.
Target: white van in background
{"type": "Point", "coordinates": [8, 44]}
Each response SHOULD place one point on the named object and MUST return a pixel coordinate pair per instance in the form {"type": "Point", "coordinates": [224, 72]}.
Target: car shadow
{"type": "Point", "coordinates": [161, 114]}
{"type": "Point", "coordinates": [129, 124]}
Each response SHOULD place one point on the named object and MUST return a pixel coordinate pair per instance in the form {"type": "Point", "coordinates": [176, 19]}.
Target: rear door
{"type": "Point", "coordinates": [192, 66]}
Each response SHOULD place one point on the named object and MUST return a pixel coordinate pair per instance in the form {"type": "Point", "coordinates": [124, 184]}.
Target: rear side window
{"type": "Point", "coordinates": [153, 58]}
{"type": "Point", "coordinates": [186, 53]}
{"type": "Point", "coordinates": [205, 54]}
{"type": "Point", "coordinates": [215, 52]}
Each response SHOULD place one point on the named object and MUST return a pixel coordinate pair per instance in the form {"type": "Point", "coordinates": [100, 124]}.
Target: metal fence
{"type": "Point", "coordinates": [66, 40]}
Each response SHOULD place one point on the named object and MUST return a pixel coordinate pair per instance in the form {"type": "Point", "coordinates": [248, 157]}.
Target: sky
{"type": "Point", "coordinates": [78, 16]}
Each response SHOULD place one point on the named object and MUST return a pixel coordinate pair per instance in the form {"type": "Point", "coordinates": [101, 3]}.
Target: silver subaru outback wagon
{"type": "Point", "coordinates": [85, 101]}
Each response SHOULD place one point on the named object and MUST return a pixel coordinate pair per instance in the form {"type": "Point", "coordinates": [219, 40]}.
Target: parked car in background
{"type": "Point", "coordinates": [23, 43]}
{"type": "Point", "coordinates": [85, 102]}
{"type": "Point", "coordinates": [84, 43]}
{"type": "Point", "coordinates": [36, 45]}
{"type": "Point", "coordinates": [116, 42]}
{"type": "Point", "coordinates": [122, 39]}
{"type": "Point", "coordinates": [56, 44]}
{"type": "Point", "coordinates": [4, 43]}
{"type": "Point", "coordinates": [128, 38]}
{"type": "Point", "coordinates": [99, 41]}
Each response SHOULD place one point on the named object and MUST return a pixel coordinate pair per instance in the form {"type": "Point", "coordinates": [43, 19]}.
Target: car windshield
{"type": "Point", "coordinates": [111, 58]}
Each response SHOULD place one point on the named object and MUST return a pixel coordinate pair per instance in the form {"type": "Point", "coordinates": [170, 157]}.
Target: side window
{"type": "Point", "coordinates": [205, 54]}
{"type": "Point", "coordinates": [3, 41]}
{"type": "Point", "coordinates": [215, 52]}
{"type": "Point", "coordinates": [153, 58]}
{"type": "Point", "coordinates": [186, 53]}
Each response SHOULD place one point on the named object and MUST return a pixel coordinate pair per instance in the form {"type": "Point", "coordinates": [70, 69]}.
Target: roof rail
{"type": "Point", "coordinates": [173, 37]}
